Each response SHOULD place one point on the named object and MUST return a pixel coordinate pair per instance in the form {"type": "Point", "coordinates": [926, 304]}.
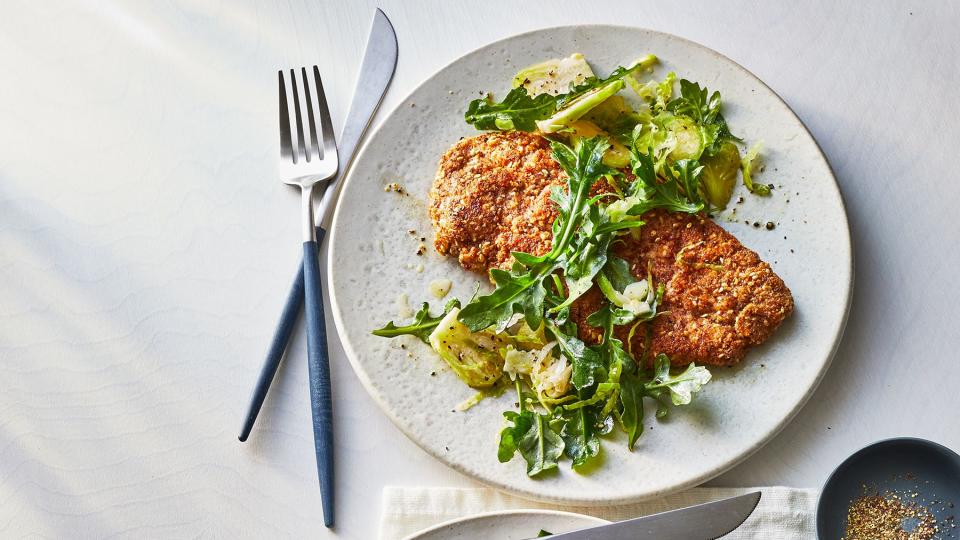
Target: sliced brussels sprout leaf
{"type": "Point", "coordinates": [617, 117]}
{"type": "Point", "coordinates": [617, 156]}
{"type": "Point", "coordinates": [747, 165]}
{"type": "Point", "coordinates": [527, 338]}
{"type": "Point", "coordinates": [689, 138]}
{"type": "Point", "coordinates": [719, 176]}
{"type": "Point", "coordinates": [655, 93]}
{"type": "Point", "coordinates": [550, 375]}
{"type": "Point", "coordinates": [555, 76]}
{"type": "Point", "coordinates": [580, 106]}
{"type": "Point", "coordinates": [473, 356]}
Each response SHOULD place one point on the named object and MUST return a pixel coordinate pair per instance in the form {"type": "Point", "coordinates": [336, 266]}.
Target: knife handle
{"type": "Point", "coordinates": [278, 345]}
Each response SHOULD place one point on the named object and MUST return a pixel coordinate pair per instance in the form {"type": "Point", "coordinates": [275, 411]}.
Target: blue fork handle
{"type": "Point", "coordinates": [278, 346]}
{"type": "Point", "coordinates": [319, 367]}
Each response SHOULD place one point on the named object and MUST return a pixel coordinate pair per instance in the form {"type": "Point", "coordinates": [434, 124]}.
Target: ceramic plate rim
{"type": "Point", "coordinates": [719, 468]}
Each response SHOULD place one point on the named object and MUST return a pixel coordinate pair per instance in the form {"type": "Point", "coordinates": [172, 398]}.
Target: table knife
{"type": "Point", "coordinates": [701, 522]}
{"type": "Point", "coordinates": [376, 71]}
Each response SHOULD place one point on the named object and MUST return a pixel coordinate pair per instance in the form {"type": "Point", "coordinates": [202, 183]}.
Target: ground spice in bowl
{"type": "Point", "coordinates": [903, 489]}
{"type": "Point", "coordinates": [887, 517]}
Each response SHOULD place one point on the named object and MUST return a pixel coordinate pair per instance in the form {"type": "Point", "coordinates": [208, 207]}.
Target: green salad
{"type": "Point", "coordinates": [656, 149]}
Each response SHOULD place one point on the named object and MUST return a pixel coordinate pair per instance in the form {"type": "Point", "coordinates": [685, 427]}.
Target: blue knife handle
{"type": "Point", "coordinates": [278, 346]}
{"type": "Point", "coordinates": [275, 354]}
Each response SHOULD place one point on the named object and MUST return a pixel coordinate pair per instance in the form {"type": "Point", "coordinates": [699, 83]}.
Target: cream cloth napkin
{"type": "Point", "coordinates": [783, 513]}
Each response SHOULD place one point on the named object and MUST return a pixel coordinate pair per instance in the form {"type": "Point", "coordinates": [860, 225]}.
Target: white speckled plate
{"type": "Point", "coordinates": [508, 525]}
{"type": "Point", "coordinates": [373, 260]}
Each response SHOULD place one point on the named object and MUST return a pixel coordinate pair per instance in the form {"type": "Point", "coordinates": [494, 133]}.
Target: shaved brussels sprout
{"type": "Point", "coordinates": [579, 107]}
{"type": "Point", "coordinates": [617, 117]}
{"type": "Point", "coordinates": [618, 156]}
{"type": "Point", "coordinates": [720, 174]}
{"type": "Point", "coordinates": [746, 166]}
{"type": "Point", "coordinates": [689, 139]}
{"type": "Point", "coordinates": [554, 76]}
{"type": "Point", "coordinates": [550, 374]}
{"type": "Point", "coordinates": [526, 338]}
{"type": "Point", "coordinates": [473, 356]}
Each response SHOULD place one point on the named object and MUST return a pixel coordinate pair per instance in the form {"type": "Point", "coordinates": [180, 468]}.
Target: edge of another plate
{"type": "Point", "coordinates": [499, 514]}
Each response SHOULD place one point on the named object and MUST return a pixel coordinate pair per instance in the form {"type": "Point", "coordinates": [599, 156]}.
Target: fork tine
{"type": "Point", "coordinates": [313, 147]}
{"type": "Point", "coordinates": [286, 145]}
{"type": "Point", "coordinates": [301, 146]}
{"type": "Point", "coordinates": [326, 126]}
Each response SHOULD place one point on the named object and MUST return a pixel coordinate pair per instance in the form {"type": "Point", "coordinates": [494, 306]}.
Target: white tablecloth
{"type": "Point", "coordinates": [146, 246]}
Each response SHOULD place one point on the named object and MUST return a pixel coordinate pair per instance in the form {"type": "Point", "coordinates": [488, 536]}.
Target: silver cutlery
{"type": "Point", "coordinates": [376, 71]}
{"type": "Point", "coordinates": [308, 156]}
{"type": "Point", "coordinates": [701, 522]}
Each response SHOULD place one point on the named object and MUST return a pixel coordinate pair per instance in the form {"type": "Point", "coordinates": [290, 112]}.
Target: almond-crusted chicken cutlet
{"type": "Point", "coordinates": [491, 197]}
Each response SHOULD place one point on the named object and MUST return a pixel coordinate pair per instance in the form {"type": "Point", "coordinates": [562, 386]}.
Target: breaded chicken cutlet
{"type": "Point", "coordinates": [491, 197]}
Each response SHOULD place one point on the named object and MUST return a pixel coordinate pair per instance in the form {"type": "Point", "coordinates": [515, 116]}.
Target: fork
{"type": "Point", "coordinates": [307, 159]}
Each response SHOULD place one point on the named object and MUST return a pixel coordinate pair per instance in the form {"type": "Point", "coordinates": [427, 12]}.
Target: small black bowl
{"type": "Point", "coordinates": [905, 465]}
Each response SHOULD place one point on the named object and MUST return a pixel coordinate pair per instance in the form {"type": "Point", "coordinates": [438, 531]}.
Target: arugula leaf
{"type": "Point", "coordinates": [587, 253]}
{"type": "Point", "coordinates": [422, 325]}
{"type": "Point", "coordinates": [617, 271]}
{"type": "Point", "coordinates": [512, 295]}
{"type": "Point", "coordinates": [686, 173]}
{"type": "Point", "coordinates": [517, 111]}
{"type": "Point", "coordinates": [515, 292]}
{"type": "Point", "coordinates": [619, 362]}
{"type": "Point", "coordinates": [522, 290]}
{"type": "Point", "coordinates": [531, 436]}
{"type": "Point", "coordinates": [698, 103]}
{"type": "Point", "coordinates": [677, 193]}
{"type": "Point", "coordinates": [632, 392]}
{"type": "Point", "coordinates": [693, 102]}
{"type": "Point", "coordinates": [628, 384]}
{"type": "Point", "coordinates": [579, 434]}
{"type": "Point", "coordinates": [588, 367]}
{"type": "Point", "coordinates": [682, 386]}
{"type": "Point", "coordinates": [511, 435]}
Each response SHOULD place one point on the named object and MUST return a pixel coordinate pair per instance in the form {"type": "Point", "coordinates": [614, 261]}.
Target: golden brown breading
{"type": "Point", "coordinates": [720, 298]}
{"type": "Point", "coordinates": [491, 197]}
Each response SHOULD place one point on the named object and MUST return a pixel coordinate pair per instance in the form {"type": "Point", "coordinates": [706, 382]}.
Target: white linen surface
{"type": "Point", "coordinates": [783, 513]}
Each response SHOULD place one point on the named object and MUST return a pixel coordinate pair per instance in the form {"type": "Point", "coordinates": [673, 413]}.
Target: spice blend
{"type": "Point", "coordinates": [888, 517]}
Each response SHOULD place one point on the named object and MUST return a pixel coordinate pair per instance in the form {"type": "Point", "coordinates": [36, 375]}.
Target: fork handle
{"type": "Point", "coordinates": [319, 373]}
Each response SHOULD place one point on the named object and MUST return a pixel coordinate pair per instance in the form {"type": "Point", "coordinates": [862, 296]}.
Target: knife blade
{"type": "Point", "coordinates": [376, 71]}
{"type": "Point", "coordinates": [701, 522]}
